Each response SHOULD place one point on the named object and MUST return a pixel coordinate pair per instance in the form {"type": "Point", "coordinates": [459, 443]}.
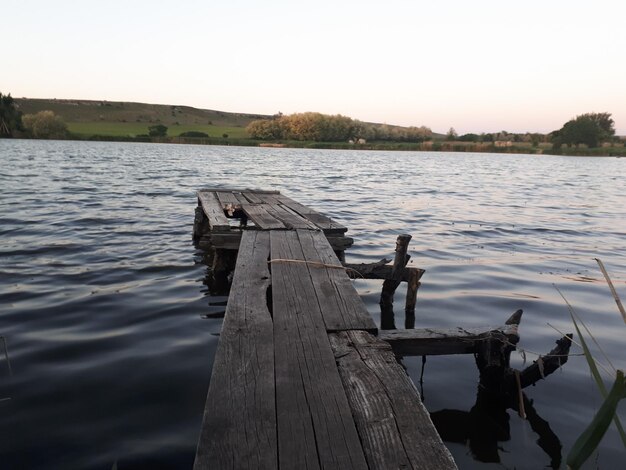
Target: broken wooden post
{"type": "Point", "coordinates": [411, 299]}
{"type": "Point", "coordinates": [493, 356]}
{"type": "Point", "coordinates": [390, 285]}
{"type": "Point", "coordinates": [400, 260]}
{"type": "Point", "coordinates": [547, 364]}
{"type": "Point", "coordinates": [487, 423]}
{"type": "Point", "coordinates": [222, 267]}
{"type": "Point", "coordinates": [341, 256]}
{"type": "Point", "coordinates": [200, 224]}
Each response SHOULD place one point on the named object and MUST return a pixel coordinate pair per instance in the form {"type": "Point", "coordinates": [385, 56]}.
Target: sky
{"type": "Point", "coordinates": [480, 66]}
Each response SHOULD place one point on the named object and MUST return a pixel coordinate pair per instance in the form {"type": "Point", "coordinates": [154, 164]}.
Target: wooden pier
{"type": "Point", "coordinates": [300, 379]}
{"type": "Point", "coordinates": [223, 215]}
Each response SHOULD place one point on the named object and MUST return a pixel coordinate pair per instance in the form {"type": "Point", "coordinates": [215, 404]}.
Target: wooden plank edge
{"type": "Point", "coordinates": [220, 221]}
{"type": "Point", "coordinates": [248, 190]}
{"type": "Point", "coordinates": [434, 342]}
{"type": "Point", "coordinates": [394, 426]}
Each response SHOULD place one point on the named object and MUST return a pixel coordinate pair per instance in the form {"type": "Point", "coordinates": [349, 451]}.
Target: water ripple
{"type": "Point", "coordinates": [103, 298]}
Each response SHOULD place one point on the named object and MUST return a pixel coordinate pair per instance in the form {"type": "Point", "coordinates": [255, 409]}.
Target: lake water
{"type": "Point", "coordinates": [102, 294]}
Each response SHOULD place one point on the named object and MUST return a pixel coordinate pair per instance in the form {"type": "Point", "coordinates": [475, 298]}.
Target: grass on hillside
{"type": "Point", "coordinates": [123, 129]}
{"type": "Point", "coordinates": [85, 111]}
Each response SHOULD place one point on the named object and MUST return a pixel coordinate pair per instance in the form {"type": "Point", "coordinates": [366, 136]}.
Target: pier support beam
{"type": "Point", "coordinates": [391, 284]}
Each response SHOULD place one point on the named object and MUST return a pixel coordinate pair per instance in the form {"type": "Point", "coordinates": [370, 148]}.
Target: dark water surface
{"type": "Point", "coordinates": [101, 288]}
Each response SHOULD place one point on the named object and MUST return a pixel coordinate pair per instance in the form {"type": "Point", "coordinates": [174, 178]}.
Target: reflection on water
{"type": "Point", "coordinates": [487, 424]}
{"type": "Point", "coordinates": [102, 292]}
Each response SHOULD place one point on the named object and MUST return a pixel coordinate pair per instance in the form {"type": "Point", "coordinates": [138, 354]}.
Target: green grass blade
{"type": "Point", "coordinates": [620, 307]}
{"type": "Point", "coordinates": [590, 438]}
{"type": "Point", "coordinates": [592, 366]}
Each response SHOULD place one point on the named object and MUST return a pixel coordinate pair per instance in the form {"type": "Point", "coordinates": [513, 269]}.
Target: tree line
{"type": "Point", "coordinates": [41, 125]}
{"type": "Point", "coordinates": [320, 127]}
{"type": "Point", "coordinates": [590, 129]}
{"type": "Point", "coordinates": [10, 116]}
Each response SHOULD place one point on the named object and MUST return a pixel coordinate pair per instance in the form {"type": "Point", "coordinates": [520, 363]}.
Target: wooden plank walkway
{"type": "Point", "coordinates": [300, 380]}
{"type": "Point", "coordinates": [224, 215]}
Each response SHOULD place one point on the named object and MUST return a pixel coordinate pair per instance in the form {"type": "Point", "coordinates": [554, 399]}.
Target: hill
{"type": "Point", "coordinates": [120, 118]}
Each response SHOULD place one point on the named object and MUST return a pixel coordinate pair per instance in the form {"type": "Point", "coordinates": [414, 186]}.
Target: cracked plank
{"type": "Point", "coordinates": [315, 426]}
{"type": "Point", "coordinates": [394, 426]}
{"type": "Point", "coordinates": [239, 426]}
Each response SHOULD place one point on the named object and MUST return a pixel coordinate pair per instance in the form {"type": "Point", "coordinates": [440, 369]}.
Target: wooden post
{"type": "Point", "coordinates": [493, 357]}
{"type": "Point", "coordinates": [200, 224]}
{"type": "Point", "coordinates": [222, 267]}
{"type": "Point", "coordinates": [411, 299]}
{"type": "Point", "coordinates": [341, 256]}
{"type": "Point", "coordinates": [401, 258]}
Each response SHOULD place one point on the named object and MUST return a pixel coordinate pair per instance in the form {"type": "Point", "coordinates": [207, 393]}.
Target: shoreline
{"type": "Point", "coordinates": [429, 146]}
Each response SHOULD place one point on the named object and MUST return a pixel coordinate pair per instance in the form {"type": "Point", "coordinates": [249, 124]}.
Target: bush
{"type": "Point", "coordinates": [158, 130]}
{"type": "Point", "coordinates": [194, 134]}
{"type": "Point", "coordinates": [45, 125]}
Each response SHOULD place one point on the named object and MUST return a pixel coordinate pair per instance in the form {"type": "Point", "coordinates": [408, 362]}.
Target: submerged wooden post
{"type": "Point", "coordinates": [222, 267]}
{"type": "Point", "coordinates": [200, 224]}
{"type": "Point", "coordinates": [399, 262]}
{"type": "Point", "coordinates": [411, 299]}
{"type": "Point", "coordinates": [494, 354]}
{"type": "Point", "coordinates": [390, 285]}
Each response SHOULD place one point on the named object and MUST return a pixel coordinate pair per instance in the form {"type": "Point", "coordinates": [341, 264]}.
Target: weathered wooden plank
{"type": "Point", "coordinates": [341, 306]}
{"type": "Point", "coordinates": [291, 219]}
{"type": "Point", "coordinates": [253, 198]}
{"type": "Point", "coordinates": [340, 243]}
{"type": "Point", "coordinates": [230, 241]}
{"type": "Point", "coordinates": [433, 342]}
{"type": "Point", "coordinates": [268, 198]}
{"type": "Point", "coordinates": [240, 198]}
{"type": "Point", "coordinates": [239, 427]}
{"type": "Point", "coordinates": [213, 210]}
{"type": "Point", "coordinates": [320, 220]}
{"type": "Point", "coordinates": [258, 213]}
{"type": "Point", "coordinates": [381, 270]}
{"type": "Point", "coordinates": [227, 199]}
{"type": "Point", "coordinates": [395, 429]}
{"type": "Point", "coordinates": [315, 426]}
{"type": "Point", "coordinates": [223, 241]}
{"type": "Point", "coordinates": [239, 190]}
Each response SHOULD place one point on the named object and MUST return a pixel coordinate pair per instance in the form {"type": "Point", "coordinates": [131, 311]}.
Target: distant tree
{"type": "Point", "coordinates": [536, 139]}
{"type": "Point", "coordinates": [469, 138]}
{"type": "Point", "coordinates": [10, 116]}
{"type": "Point", "coordinates": [225, 136]}
{"type": "Point", "coordinates": [45, 125]}
{"type": "Point", "coordinates": [605, 123]}
{"type": "Point", "coordinates": [158, 130]}
{"type": "Point", "coordinates": [580, 131]}
{"type": "Point", "coordinates": [451, 135]}
{"type": "Point", "coordinates": [589, 129]}
{"type": "Point", "coordinates": [265, 129]}
{"type": "Point", "coordinates": [194, 134]}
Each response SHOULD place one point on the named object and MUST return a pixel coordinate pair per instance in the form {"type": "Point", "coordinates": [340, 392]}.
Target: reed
{"type": "Point", "coordinates": [589, 440]}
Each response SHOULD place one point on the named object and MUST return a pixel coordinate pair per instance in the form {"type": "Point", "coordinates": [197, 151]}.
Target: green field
{"type": "Point", "coordinates": [87, 118]}
{"type": "Point", "coordinates": [123, 129]}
